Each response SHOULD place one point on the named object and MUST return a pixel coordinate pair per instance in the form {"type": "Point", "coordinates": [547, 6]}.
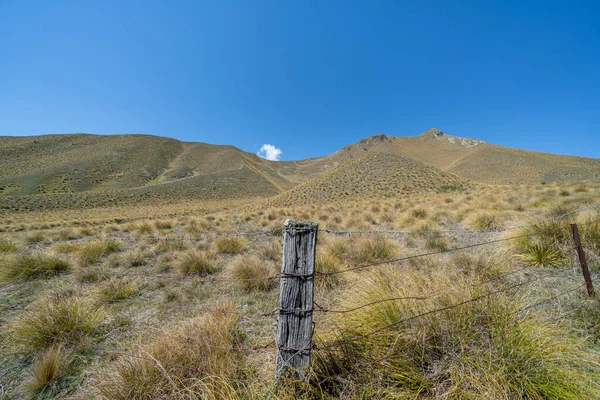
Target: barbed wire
{"type": "Point", "coordinates": [279, 230]}
{"type": "Point", "coordinates": [148, 239]}
{"type": "Point", "coordinates": [467, 231]}
{"type": "Point", "coordinates": [452, 306]}
{"type": "Point", "coordinates": [548, 300]}
{"type": "Point", "coordinates": [406, 258]}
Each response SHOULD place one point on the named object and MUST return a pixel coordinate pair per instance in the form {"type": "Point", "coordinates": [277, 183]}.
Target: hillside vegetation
{"type": "Point", "coordinates": [374, 174]}
{"type": "Point", "coordinates": [87, 171]}
{"type": "Point", "coordinates": [113, 303]}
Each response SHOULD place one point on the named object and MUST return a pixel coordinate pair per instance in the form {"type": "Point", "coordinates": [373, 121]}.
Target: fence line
{"type": "Point", "coordinates": [282, 310]}
{"type": "Point", "coordinates": [279, 230]}
{"type": "Point", "coordinates": [563, 293]}
{"type": "Point", "coordinates": [393, 260]}
{"type": "Point", "coordinates": [393, 232]}
{"type": "Point", "coordinates": [408, 319]}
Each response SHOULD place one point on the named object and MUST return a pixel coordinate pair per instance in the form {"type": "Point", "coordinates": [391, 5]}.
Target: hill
{"type": "Point", "coordinates": [374, 174]}
{"type": "Point", "coordinates": [480, 161]}
{"type": "Point", "coordinates": [84, 170]}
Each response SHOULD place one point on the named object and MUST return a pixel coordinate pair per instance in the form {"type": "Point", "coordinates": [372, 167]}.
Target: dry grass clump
{"type": "Point", "coordinates": [168, 246]}
{"type": "Point", "coordinates": [252, 273]}
{"type": "Point", "coordinates": [485, 220]}
{"type": "Point", "coordinates": [117, 289]}
{"type": "Point", "coordinates": [230, 245]}
{"type": "Point", "coordinates": [31, 266]}
{"type": "Point", "coordinates": [372, 248]}
{"type": "Point", "coordinates": [479, 350]}
{"type": "Point", "coordinates": [8, 248]}
{"type": "Point", "coordinates": [196, 361]}
{"type": "Point", "coordinates": [271, 251]}
{"type": "Point", "coordinates": [328, 266]}
{"type": "Point", "coordinates": [93, 253]}
{"type": "Point", "coordinates": [197, 262]}
{"type": "Point", "coordinates": [161, 225]}
{"type": "Point", "coordinates": [65, 319]}
{"type": "Point", "coordinates": [48, 368]}
{"type": "Point", "coordinates": [89, 274]}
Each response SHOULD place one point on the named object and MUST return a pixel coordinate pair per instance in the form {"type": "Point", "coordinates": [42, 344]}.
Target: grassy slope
{"type": "Point", "coordinates": [372, 175]}
{"type": "Point", "coordinates": [93, 170]}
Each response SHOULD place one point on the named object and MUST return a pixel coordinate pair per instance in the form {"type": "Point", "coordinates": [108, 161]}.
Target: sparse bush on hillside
{"type": "Point", "coordinates": [93, 253]}
{"type": "Point", "coordinates": [485, 220]}
{"type": "Point", "coordinates": [8, 248]}
{"type": "Point", "coordinates": [328, 267]}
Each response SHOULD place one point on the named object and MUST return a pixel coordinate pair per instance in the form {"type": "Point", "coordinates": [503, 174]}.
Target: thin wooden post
{"type": "Point", "coordinates": [294, 328]}
{"type": "Point", "coordinates": [583, 261]}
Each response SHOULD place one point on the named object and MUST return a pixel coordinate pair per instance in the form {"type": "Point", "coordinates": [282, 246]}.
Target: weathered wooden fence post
{"type": "Point", "coordinates": [294, 328]}
{"type": "Point", "coordinates": [583, 261]}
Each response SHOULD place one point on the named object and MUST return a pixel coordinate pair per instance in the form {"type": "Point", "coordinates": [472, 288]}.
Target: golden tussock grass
{"type": "Point", "coordinates": [48, 368]}
{"type": "Point", "coordinates": [61, 319]}
{"type": "Point", "coordinates": [197, 360]}
{"type": "Point", "coordinates": [33, 265]}
{"type": "Point", "coordinates": [253, 273]}
{"type": "Point", "coordinates": [117, 289]}
{"type": "Point", "coordinates": [197, 262]}
{"type": "Point", "coordinates": [480, 350]}
{"type": "Point", "coordinates": [230, 245]}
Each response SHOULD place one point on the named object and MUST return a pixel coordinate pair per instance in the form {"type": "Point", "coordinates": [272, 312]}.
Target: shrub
{"type": "Point", "coordinates": [230, 245]}
{"type": "Point", "coordinates": [31, 266]}
{"type": "Point", "coordinates": [197, 262]}
{"type": "Point", "coordinates": [56, 320]}
{"type": "Point", "coordinates": [419, 213]}
{"type": "Point", "coordinates": [436, 241]}
{"type": "Point", "coordinates": [89, 274]}
{"type": "Point", "coordinates": [252, 273]}
{"type": "Point", "coordinates": [35, 238]}
{"type": "Point", "coordinates": [196, 361]}
{"type": "Point", "coordinates": [163, 224]}
{"type": "Point", "coordinates": [168, 246]}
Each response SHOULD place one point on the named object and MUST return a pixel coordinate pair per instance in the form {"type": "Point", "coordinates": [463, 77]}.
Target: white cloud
{"type": "Point", "coordinates": [269, 152]}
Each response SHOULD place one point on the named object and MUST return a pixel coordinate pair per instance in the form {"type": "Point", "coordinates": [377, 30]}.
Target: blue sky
{"type": "Point", "coordinates": [305, 76]}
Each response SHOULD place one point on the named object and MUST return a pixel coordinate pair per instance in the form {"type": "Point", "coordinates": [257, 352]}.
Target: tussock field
{"type": "Point", "coordinates": [97, 303]}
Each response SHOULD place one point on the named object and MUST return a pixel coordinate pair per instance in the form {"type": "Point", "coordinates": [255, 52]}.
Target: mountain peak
{"type": "Point", "coordinates": [435, 133]}
{"type": "Point", "coordinates": [432, 133]}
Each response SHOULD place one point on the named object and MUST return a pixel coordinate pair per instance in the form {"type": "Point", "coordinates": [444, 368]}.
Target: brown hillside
{"type": "Point", "coordinates": [375, 174]}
